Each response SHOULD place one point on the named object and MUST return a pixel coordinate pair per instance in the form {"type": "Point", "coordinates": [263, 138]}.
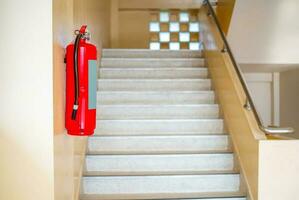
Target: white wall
{"type": "Point", "coordinates": [265, 31]}
{"type": "Point", "coordinates": [26, 103]}
{"type": "Point", "coordinates": [265, 94]}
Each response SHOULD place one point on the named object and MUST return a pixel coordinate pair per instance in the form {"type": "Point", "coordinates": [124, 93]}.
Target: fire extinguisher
{"type": "Point", "coordinates": [81, 85]}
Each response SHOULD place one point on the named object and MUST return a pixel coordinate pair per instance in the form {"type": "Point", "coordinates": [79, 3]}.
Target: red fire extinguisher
{"type": "Point", "coordinates": [81, 85]}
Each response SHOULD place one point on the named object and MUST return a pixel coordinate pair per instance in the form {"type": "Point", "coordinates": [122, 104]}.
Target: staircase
{"type": "Point", "coordinates": [159, 135]}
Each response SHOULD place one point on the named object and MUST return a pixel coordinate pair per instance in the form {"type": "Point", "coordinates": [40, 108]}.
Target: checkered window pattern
{"type": "Point", "coordinates": [174, 30]}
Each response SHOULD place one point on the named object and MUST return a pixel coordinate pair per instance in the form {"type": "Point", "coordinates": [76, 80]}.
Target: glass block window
{"type": "Point", "coordinates": [155, 45]}
{"type": "Point", "coordinates": [184, 17]}
{"type": "Point", "coordinates": [164, 16]}
{"type": "Point", "coordinates": [174, 27]}
{"type": "Point", "coordinates": [154, 27]}
{"type": "Point", "coordinates": [194, 27]}
{"type": "Point", "coordinates": [174, 30]}
{"type": "Point", "coordinates": [185, 37]}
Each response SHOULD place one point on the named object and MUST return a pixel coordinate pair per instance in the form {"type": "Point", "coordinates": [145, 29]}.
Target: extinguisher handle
{"type": "Point", "coordinates": [83, 29]}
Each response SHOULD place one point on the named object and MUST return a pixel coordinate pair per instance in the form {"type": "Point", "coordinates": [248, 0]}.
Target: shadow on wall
{"type": "Point", "coordinates": [289, 100]}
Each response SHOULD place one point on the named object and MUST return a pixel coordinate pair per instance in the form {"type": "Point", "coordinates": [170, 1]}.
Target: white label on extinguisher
{"type": "Point", "coordinates": [92, 84]}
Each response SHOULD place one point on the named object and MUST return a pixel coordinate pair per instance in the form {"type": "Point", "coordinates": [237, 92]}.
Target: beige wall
{"type": "Point", "coordinates": [133, 29]}
{"type": "Point", "coordinates": [130, 19]}
{"type": "Point", "coordinates": [289, 99]}
{"type": "Point", "coordinates": [158, 4]}
{"type": "Point", "coordinates": [69, 15]}
{"type": "Point", "coordinates": [265, 32]}
{"type": "Point", "coordinates": [96, 14]}
{"type": "Point", "coordinates": [63, 144]}
{"type": "Point", "coordinates": [26, 103]}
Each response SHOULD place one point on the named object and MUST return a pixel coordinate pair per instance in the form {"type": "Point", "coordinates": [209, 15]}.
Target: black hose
{"type": "Point", "coordinates": [76, 76]}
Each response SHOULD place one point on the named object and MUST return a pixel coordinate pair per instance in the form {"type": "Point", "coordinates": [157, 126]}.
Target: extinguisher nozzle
{"type": "Point", "coordinates": [74, 114]}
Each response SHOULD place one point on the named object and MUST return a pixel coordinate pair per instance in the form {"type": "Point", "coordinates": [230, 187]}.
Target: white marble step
{"type": "Point", "coordinates": [158, 164]}
{"type": "Point", "coordinates": [154, 84]}
{"type": "Point", "coordinates": [159, 127]}
{"type": "Point", "coordinates": [157, 187]}
{"type": "Point", "coordinates": [225, 198]}
{"type": "Point", "coordinates": [177, 144]}
{"type": "Point", "coordinates": [199, 111]}
{"type": "Point", "coordinates": [221, 196]}
{"type": "Point", "coordinates": [152, 62]}
{"type": "Point", "coordinates": [142, 73]}
{"type": "Point", "coordinates": [156, 98]}
{"type": "Point", "coordinates": [146, 53]}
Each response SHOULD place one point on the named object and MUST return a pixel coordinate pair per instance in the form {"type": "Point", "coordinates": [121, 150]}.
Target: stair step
{"type": "Point", "coordinates": [164, 186]}
{"type": "Point", "coordinates": [153, 84]}
{"type": "Point", "coordinates": [224, 196]}
{"type": "Point", "coordinates": [152, 62]}
{"type": "Point", "coordinates": [158, 164]}
{"type": "Point", "coordinates": [146, 53]}
{"type": "Point", "coordinates": [159, 127]}
{"type": "Point", "coordinates": [158, 111]}
{"type": "Point", "coordinates": [158, 98]}
{"type": "Point", "coordinates": [141, 73]}
{"type": "Point", "coordinates": [158, 132]}
{"type": "Point", "coordinates": [178, 144]}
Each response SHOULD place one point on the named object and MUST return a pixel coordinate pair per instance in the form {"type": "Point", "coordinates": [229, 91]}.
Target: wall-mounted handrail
{"type": "Point", "coordinates": [249, 104]}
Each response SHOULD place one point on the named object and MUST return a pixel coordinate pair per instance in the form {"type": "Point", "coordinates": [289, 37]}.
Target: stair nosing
{"type": "Point", "coordinates": [179, 196]}
{"type": "Point", "coordinates": [95, 153]}
{"type": "Point", "coordinates": [173, 120]}
{"type": "Point", "coordinates": [149, 58]}
{"type": "Point", "coordinates": [163, 105]}
{"type": "Point", "coordinates": [156, 79]}
{"type": "Point", "coordinates": [160, 173]}
{"type": "Point", "coordinates": [153, 68]}
{"type": "Point", "coordinates": [216, 152]}
{"type": "Point", "coordinates": [172, 175]}
{"type": "Point", "coordinates": [162, 91]}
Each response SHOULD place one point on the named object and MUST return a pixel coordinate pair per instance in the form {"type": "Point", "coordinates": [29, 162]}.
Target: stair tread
{"type": "Point", "coordinates": [160, 92]}
{"type": "Point", "coordinates": [160, 152]}
{"type": "Point", "coordinates": [159, 127]}
{"type": "Point", "coordinates": [164, 105]}
{"type": "Point", "coordinates": [170, 186]}
{"type": "Point", "coordinates": [149, 53]}
{"type": "Point", "coordinates": [157, 144]}
{"type": "Point", "coordinates": [157, 80]}
{"type": "Point", "coordinates": [154, 69]}
{"type": "Point", "coordinates": [166, 111]}
{"type": "Point", "coordinates": [160, 120]}
{"type": "Point", "coordinates": [160, 97]}
{"type": "Point", "coordinates": [192, 196]}
{"type": "Point", "coordinates": [150, 73]}
{"type": "Point", "coordinates": [154, 59]}
{"type": "Point", "coordinates": [158, 135]}
{"type": "Point", "coordinates": [154, 84]}
{"type": "Point", "coordinates": [151, 62]}
{"type": "Point", "coordinates": [158, 173]}
{"type": "Point", "coordinates": [216, 163]}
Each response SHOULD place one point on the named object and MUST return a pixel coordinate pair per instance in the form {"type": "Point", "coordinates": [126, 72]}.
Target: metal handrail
{"type": "Point", "coordinates": [249, 104]}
